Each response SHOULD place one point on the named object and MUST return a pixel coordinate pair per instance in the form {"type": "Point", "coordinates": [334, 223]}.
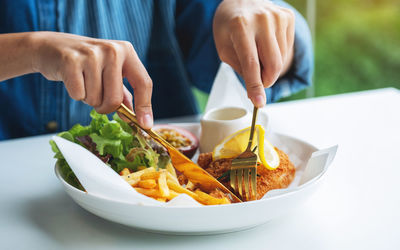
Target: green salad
{"type": "Point", "coordinates": [117, 143]}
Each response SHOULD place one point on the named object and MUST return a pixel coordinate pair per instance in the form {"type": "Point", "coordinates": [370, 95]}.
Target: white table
{"type": "Point", "coordinates": [358, 207]}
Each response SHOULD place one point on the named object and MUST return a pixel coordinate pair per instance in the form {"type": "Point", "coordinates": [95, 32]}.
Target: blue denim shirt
{"type": "Point", "coordinates": [173, 38]}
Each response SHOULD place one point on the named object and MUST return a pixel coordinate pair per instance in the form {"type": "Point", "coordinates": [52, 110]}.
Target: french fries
{"type": "Point", "coordinates": [150, 175]}
{"type": "Point", "coordinates": [163, 185]}
{"type": "Point", "coordinates": [134, 178]}
{"type": "Point", "coordinates": [172, 178]}
{"type": "Point", "coordinates": [179, 189]}
{"type": "Point", "coordinates": [190, 185]}
{"type": "Point", "coordinates": [152, 192]}
{"type": "Point", "coordinates": [150, 183]}
{"type": "Point", "coordinates": [210, 200]}
{"type": "Point", "coordinates": [124, 172]}
{"type": "Point", "coordinates": [171, 170]}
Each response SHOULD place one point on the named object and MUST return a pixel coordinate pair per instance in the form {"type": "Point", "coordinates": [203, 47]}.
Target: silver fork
{"type": "Point", "coordinates": [244, 168]}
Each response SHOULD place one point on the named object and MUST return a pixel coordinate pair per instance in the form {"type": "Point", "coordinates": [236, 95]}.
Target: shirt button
{"type": "Point", "coordinates": [51, 126]}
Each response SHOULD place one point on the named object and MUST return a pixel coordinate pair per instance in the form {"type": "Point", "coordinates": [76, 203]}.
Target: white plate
{"type": "Point", "coordinates": [206, 219]}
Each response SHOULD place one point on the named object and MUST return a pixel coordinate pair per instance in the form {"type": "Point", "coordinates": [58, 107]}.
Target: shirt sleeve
{"type": "Point", "coordinates": [299, 76]}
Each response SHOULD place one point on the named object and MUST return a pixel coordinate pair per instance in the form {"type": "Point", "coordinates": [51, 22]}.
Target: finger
{"type": "Point", "coordinates": [112, 89]}
{"type": "Point", "coordinates": [228, 55]}
{"type": "Point", "coordinates": [74, 83]}
{"type": "Point", "coordinates": [290, 27]}
{"type": "Point", "coordinates": [281, 33]}
{"type": "Point", "coordinates": [287, 63]}
{"type": "Point", "coordinates": [93, 84]}
{"type": "Point", "coordinates": [142, 86]}
{"type": "Point", "coordinates": [246, 51]}
{"type": "Point", "coordinates": [290, 32]}
{"type": "Point", "coordinates": [127, 98]}
{"type": "Point", "coordinates": [128, 103]}
{"type": "Point", "coordinates": [270, 57]}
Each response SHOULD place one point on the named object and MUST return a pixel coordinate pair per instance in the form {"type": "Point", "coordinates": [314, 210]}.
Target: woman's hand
{"type": "Point", "coordinates": [92, 71]}
{"type": "Point", "coordinates": [256, 38]}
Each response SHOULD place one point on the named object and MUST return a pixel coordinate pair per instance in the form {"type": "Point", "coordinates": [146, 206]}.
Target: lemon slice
{"type": "Point", "coordinates": [269, 158]}
{"type": "Point", "coordinates": [236, 143]}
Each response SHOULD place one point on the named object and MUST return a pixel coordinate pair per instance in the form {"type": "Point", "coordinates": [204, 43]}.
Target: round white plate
{"type": "Point", "coordinates": [206, 219]}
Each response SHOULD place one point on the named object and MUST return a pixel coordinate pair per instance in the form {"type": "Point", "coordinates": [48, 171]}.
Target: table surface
{"type": "Point", "coordinates": [357, 207]}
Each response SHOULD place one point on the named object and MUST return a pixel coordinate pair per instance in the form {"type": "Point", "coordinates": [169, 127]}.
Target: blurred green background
{"type": "Point", "coordinates": [357, 46]}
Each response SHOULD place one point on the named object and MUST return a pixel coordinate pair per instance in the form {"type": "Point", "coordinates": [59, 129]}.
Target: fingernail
{"type": "Point", "coordinates": [259, 101]}
{"type": "Point", "coordinates": [147, 121]}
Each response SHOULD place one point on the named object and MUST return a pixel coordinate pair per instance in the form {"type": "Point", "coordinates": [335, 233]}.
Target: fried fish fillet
{"type": "Point", "coordinates": [267, 179]}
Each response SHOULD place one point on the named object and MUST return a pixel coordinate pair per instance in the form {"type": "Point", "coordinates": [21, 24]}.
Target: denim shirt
{"type": "Point", "coordinates": [173, 38]}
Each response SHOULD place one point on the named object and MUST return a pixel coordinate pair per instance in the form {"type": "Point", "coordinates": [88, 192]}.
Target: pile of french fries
{"type": "Point", "coordinates": [163, 185]}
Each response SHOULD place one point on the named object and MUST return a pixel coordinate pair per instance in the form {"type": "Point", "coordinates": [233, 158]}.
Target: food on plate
{"type": "Point", "coordinates": [274, 169]}
{"type": "Point", "coordinates": [115, 142]}
{"type": "Point", "coordinates": [144, 164]}
{"type": "Point", "coordinates": [147, 166]}
{"type": "Point", "coordinates": [163, 185]}
{"type": "Point", "coordinates": [178, 137]}
{"type": "Point", "coordinates": [233, 145]}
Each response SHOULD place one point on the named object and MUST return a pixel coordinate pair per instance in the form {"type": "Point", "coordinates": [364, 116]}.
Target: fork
{"type": "Point", "coordinates": [180, 162]}
{"type": "Point", "coordinates": [244, 168]}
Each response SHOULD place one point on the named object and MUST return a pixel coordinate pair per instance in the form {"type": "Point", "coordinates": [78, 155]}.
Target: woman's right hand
{"type": "Point", "coordinates": [93, 71]}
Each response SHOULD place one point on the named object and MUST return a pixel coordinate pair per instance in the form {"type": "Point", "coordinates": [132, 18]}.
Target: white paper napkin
{"type": "Point", "coordinates": [308, 168]}
{"type": "Point", "coordinates": [318, 164]}
{"type": "Point", "coordinates": [227, 90]}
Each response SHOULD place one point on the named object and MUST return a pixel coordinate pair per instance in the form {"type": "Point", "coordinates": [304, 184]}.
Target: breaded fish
{"type": "Point", "coordinates": [267, 179]}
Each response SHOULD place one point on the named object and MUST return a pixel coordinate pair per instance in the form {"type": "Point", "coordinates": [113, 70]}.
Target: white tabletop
{"type": "Point", "coordinates": [358, 207]}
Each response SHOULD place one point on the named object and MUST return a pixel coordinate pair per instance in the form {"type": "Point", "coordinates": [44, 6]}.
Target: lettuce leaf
{"type": "Point", "coordinates": [115, 142]}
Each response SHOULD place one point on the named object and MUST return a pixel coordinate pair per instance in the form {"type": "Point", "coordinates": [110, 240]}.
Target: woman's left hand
{"type": "Point", "coordinates": [256, 38]}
